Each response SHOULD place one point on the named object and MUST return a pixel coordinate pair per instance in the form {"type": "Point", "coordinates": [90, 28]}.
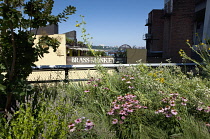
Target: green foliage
{"type": "Point", "coordinates": [202, 50]}
{"type": "Point", "coordinates": [49, 112]}
{"type": "Point", "coordinates": [17, 50]}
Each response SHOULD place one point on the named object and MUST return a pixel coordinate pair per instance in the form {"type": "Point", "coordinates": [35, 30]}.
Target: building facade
{"type": "Point", "coordinates": [48, 30]}
{"type": "Point", "coordinates": [181, 20]}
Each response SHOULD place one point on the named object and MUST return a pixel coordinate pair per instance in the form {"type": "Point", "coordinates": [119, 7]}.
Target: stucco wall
{"type": "Point", "coordinates": [54, 58]}
{"type": "Point", "coordinates": [134, 55]}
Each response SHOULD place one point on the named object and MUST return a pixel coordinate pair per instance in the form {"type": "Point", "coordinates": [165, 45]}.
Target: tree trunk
{"type": "Point", "coordinates": [9, 101]}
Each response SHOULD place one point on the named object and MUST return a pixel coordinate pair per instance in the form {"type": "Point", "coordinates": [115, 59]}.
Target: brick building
{"type": "Point", "coordinates": [180, 20]}
{"type": "Point", "coordinates": [154, 37]}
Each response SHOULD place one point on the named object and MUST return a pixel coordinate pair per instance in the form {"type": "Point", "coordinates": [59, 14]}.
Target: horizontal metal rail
{"type": "Point", "coordinates": [66, 68]}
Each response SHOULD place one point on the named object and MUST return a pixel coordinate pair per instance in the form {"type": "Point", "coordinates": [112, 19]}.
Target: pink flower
{"type": "Point", "coordinates": [138, 106]}
{"type": "Point", "coordinates": [184, 99]}
{"type": "Point", "coordinates": [72, 129]}
{"type": "Point", "coordinates": [78, 120]}
{"type": "Point", "coordinates": [131, 87]}
{"type": "Point", "coordinates": [123, 79]}
{"type": "Point", "coordinates": [87, 91]}
{"type": "Point", "coordinates": [128, 104]}
{"type": "Point", "coordinates": [116, 106]}
{"type": "Point", "coordinates": [199, 109]}
{"type": "Point", "coordinates": [156, 111]}
{"type": "Point", "coordinates": [114, 102]}
{"type": "Point", "coordinates": [174, 112]}
{"type": "Point", "coordinates": [89, 123]}
{"type": "Point", "coordinates": [172, 104]}
{"type": "Point", "coordinates": [115, 121]}
{"type": "Point", "coordinates": [208, 124]}
{"type": "Point", "coordinates": [122, 112]}
{"type": "Point", "coordinates": [168, 115]}
{"type": "Point", "coordinates": [120, 97]}
{"type": "Point", "coordinates": [161, 110]}
{"type": "Point", "coordinates": [123, 117]}
{"type": "Point", "coordinates": [179, 118]}
{"type": "Point", "coordinates": [128, 82]}
{"type": "Point", "coordinates": [120, 122]}
{"type": "Point", "coordinates": [132, 78]}
{"type": "Point", "coordinates": [95, 85]}
{"type": "Point", "coordinates": [71, 125]}
{"type": "Point", "coordinates": [184, 104]}
{"type": "Point", "coordinates": [111, 112]}
{"type": "Point", "coordinates": [130, 110]}
{"type": "Point", "coordinates": [167, 107]}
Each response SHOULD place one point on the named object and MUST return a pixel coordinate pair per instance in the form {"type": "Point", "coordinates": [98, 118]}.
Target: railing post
{"type": "Point", "coordinates": [66, 75]}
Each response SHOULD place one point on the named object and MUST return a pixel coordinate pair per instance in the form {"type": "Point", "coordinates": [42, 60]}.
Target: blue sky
{"type": "Point", "coordinates": [110, 22]}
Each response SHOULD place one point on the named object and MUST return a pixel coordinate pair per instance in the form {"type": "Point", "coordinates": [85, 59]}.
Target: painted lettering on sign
{"type": "Point", "coordinates": [91, 60]}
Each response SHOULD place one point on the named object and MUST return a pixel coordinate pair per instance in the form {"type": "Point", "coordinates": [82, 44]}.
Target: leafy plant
{"type": "Point", "coordinates": [17, 50]}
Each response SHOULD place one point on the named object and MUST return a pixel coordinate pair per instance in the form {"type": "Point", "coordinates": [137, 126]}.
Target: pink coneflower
{"type": "Point", "coordinates": [120, 122]}
{"type": "Point", "coordinates": [161, 110]}
{"type": "Point", "coordinates": [115, 121]}
{"type": "Point", "coordinates": [71, 125]}
{"type": "Point", "coordinates": [125, 108]}
{"type": "Point", "coordinates": [199, 109]}
{"type": "Point", "coordinates": [87, 91]}
{"type": "Point", "coordinates": [128, 104]}
{"type": "Point", "coordinates": [135, 101]}
{"type": "Point", "coordinates": [130, 110]}
{"type": "Point", "coordinates": [111, 112]}
{"type": "Point", "coordinates": [184, 104]}
{"type": "Point", "coordinates": [114, 102]}
{"type": "Point", "coordinates": [172, 104]}
{"type": "Point", "coordinates": [120, 97]}
{"type": "Point", "coordinates": [174, 112]}
{"type": "Point", "coordinates": [131, 77]}
{"type": "Point", "coordinates": [116, 106]}
{"type": "Point", "coordinates": [184, 99]}
{"type": "Point", "coordinates": [179, 118]}
{"type": "Point", "coordinates": [78, 120]}
{"type": "Point", "coordinates": [131, 87]}
{"type": "Point", "coordinates": [164, 100]}
{"type": "Point", "coordinates": [106, 88]}
{"type": "Point", "coordinates": [122, 112]}
{"type": "Point", "coordinates": [145, 107]}
{"type": "Point", "coordinates": [167, 107]}
{"type": "Point", "coordinates": [95, 85]}
{"type": "Point", "coordinates": [168, 115]}
{"type": "Point", "coordinates": [123, 117]}
{"type": "Point", "coordinates": [138, 106]}
{"type": "Point", "coordinates": [208, 124]}
{"type": "Point", "coordinates": [128, 82]}
{"type": "Point", "coordinates": [156, 111]}
{"type": "Point", "coordinates": [123, 79]}
{"type": "Point", "coordinates": [89, 123]}
{"type": "Point", "coordinates": [72, 129]}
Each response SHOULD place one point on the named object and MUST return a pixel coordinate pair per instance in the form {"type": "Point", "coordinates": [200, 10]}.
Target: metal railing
{"type": "Point", "coordinates": [75, 73]}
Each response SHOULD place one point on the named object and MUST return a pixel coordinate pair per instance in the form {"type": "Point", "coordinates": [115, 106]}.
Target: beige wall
{"type": "Point", "coordinates": [134, 55]}
{"type": "Point", "coordinates": [54, 58]}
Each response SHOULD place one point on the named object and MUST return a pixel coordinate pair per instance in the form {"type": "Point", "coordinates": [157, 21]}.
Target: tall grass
{"type": "Point", "coordinates": [55, 111]}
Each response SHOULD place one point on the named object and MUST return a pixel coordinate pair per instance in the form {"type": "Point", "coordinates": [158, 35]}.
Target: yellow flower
{"type": "Point", "coordinates": [150, 74]}
{"type": "Point", "coordinates": [162, 80]}
{"type": "Point", "coordinates": [77, 25]}
{"type": "Point", "coordinates": [154, 75]}
{"type": "Point", "coordinates": [187, 40]}
{"type": "Point", "coordinates": [201, 43]}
